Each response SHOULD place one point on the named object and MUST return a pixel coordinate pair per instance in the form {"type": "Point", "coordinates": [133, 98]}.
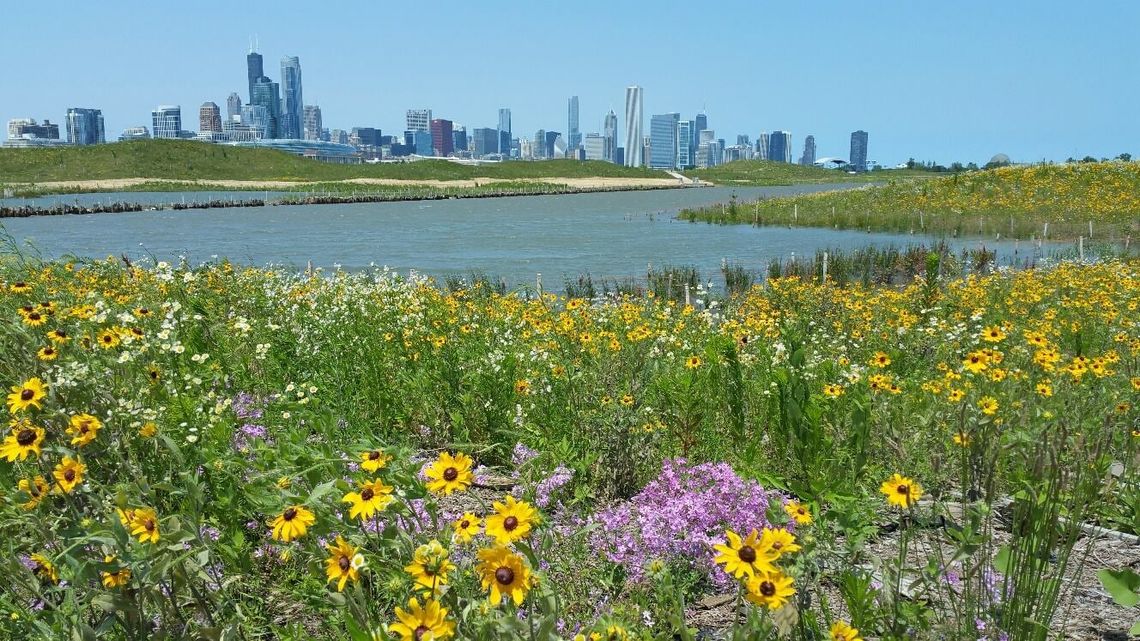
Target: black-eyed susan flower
{"type": "Point", "coordinates": [770, 589]}
{"type": "Point", "coordinates": [430, 567]}
{"type": "Point", "coordinates": [422, 621]}
{"type": "Point", "coordinates": [373, 460]}
{"type": "Point", "coordinates": [799, 512]}
{"type": "Point", "coordinates": [30, 393]}
{"type": "Point", "coordinates": [47, 353]}
{"type": "Point", "coordinates": [143, 523]}
{"type": "Point", "coordinates": [33, 318]}
{"type": "Point", "coordinates": [117, 577]}
{"type": "Point", "coordinates": [976, 362]}
{"type": "Point", "coordinates": [841, 631]}
{"type": "Point", "coordinates": [292, 523]}
{"type": "Point", "coordinates": [512, 520]}
{"type": "Point", "coordinates": [19, 287]}
{"type": "Point", "coordinates": [993, 334]}
{"type": "Point", "coordinates": [778, 542]}
{"type": "Point", "coordinates": [373, 496]}
{"type": "Point", "coordinates": [988, 405]}
{"type": "Point", "coordinates": [503, 573]}
{"type": "Point", "coordinates": [108, 338]}
{"type": "Point", "coordinates": [44, 569]}
{"type": "Point", "coordinates": [522, 387]}
{"type": "Point", "coordinates": [901, 491]}
{"type": "Point", "coordinates": [743, 556]}
{"type": "Point", "coordinates": [36, 488]}
{"type": "Point", "coordinates": [880, 360]}
{"type": "Point", "coordinates": [450, 473]}
{"type": "Point", "coordinates": [148, 429]}
{"type": "Point", "coordinates": [961, 439]}
{"type": "Point", "coordinates": [466, 527]}
{"type": "Point", "coordinates": [693, 362]}
{"type": "Point", "coordinates": [24, 440]}
{"type": "Point", "coordinates": [58, 336]}
{"type": "Point", "coordinates": [83, 429]}
{"type": "Point", "coordinates": [343, 564]}
{"type": "Point", "coordinates": [832, 390]}
{"type": "Point", "coordinates": [68, 474]}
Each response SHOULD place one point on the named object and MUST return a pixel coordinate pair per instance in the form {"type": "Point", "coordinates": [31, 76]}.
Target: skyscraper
{"type": "Point", "coordinates": [253, 67]}
{"type": "Point", "coordinates": [209, 118]}
{"type": "Point", "coordinates": [166, 121]}
{"type": "Point", "coordinates": [633, 137]}
{"type": "Point", "coordinates": [685, 147]}
{"type": "Point", "coordinates": [312, 122]}
{"type": "Point", "coordinates": [610, 134]}
{"type": "Point", "coordinates": [266, 93]}
{"type": "Point", "coordinates": [701, 123]}
{"type": "Point", "coordinates": [809, 151]}
{"type": "Point", "coordinates": [85, 126]}
{"type": "Point", "coordinates": [664, 131]}
{"type": "Point", "coordinates": [572, 123]}
{"type": "Point", "coordinates": [763, 146]}
{"type": "Point", "coordinates": [292, 102]}
{"type": "Point", "coordinates": [486, 141]}
{"type": "Point", "coordinates": [442, 137]}
{"type": "Point", "coordinates": [780, 146]}
{"type": "Point", "coordinates": [418, 120]}
{"type": "Point", "coordinates": [505, 131]}
{"type": "Point", "coordinates": [233, 106]}
{"type": "Point", "coordinates": [858, 159]}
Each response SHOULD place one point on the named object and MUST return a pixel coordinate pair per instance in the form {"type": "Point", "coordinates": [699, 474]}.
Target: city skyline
{"type": "Point", "coordinates": [951, 83]}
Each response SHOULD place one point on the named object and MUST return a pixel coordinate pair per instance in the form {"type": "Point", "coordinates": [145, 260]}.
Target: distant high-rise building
{"type": "Point", "coordinates": [257, 120]}
{"type": "Point", "coordinates": [595, 147]}
{"type": "Point", "coordinates": [266, 93]}
{"type": "Point", "coordinates": [28, 129]}
{"type": "Point", "coordinates": [742, 140]}
{"type": "Point", "coordinates": [312, 120]}
{"type": "Point", "coordinates": [572, 123]}
{"type": "Point", "coordinates": [338, 136]}
{"type": "Point", "coordinates": [134, 133]}
{"type": "Point", "coordinates": [422, 141]}
{"type": "Point", "coordinates": [254, 70]}
{"type": "Point", "coordinates": [233, 106]}
{"type": "Point", "coordinates": [809, 151]}
{"type": "Point", "coordinates": [538, 145]}
{"type": "Point", "coordinates": [780, 146]}
{"type": "Point", "coordinates": [505, 131]}
{"type": "Point", "coordinates": [292, 102]}
{"type": "Point", "coordinates": [701, 123]}
{"type": "Point", "coordinates": [418, 120]}
{"type": "Point", "coordinates": [664, 132]}
{"type": "Point", "coordinates": [209, 118]}
{"type": "Point", "coordinates": [486, 141]}
{"type": "Point", "coordinates": [610, 136]}
{"type": "Point", "coordinates": [442, 140]}
{"type": "Point", "coordinates": [549, 150]}
{"type": "Point", "coordinates": [634, 145]}
{"type": "Point", "coordinates": [858, 159]}
{"type": "Point", "coordinates": [763, 146]}
{"type": "Point", "coordinates": [459, 138]}
{"type": "Point", "coordinates": [365, 137]}
{"type": "Point", "coordinates": [85, 126]}
{"type": "Point", "coordinates": [166, 121]}
{"type": "Point", "coordinates": [685, 149]}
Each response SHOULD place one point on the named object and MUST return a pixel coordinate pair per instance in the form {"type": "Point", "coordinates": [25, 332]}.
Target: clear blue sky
{"type": "Point", "coordinates": [933, 80]}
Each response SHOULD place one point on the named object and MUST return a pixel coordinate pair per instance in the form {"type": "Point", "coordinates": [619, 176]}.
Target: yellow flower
{"type": "Point", "coordinates": [450, 473]}
{"type": "Point", "coordinates": [955, 395]}
{"type": "Point", "coordinates": [779, 541]}
{"type": "Point", "coordinates": [115, 578]}
{"type": "Point", "coordinates": [68, 474]}
{"type": "Point", "coordinates": [880, 359]}
{"type": "Point", "coordinates": [47, 353]}
{"type": "Point", "coordinates": [988, 405]}
{"type": "Point", "coordinates": [25, 439]}
{"type": "Point", "coordinates": [373, 460]}
{"type": "Point", "coordinates": [901, 491]}
{"type": "Point", "coordinates": [292, 523]}
{"type": "Point", "coordinates": [799, 512]}
{"type": "Point", "coordinates": [511, 521]}
{"type": "Point", "coordinates": [522, 387]}
{"type": "Point", "coordinates": [831, 390]}
{"type": "Point", "coordinates": [19, 287]}
{"type": "Point", "coordinates": [503, 573]}
{"type": "Point", "coordinates": [142, 523]}
{"type": "Point", "coordinates": [466, 527]}
{"type": "Point", "coordinates": [1044, 389]}
{"type": "Point", "coordinates": [426, 622]}
{"type": "Point", "coordinates": [430, 566]}
{"type": "Point", "coordinates": [976, 362]}
{"type": "Point", "coordinates": [28, 394]}
{"type": "Point", "coordinates": [148, 429]}
{"type": "Point", "coordinates": [693, 362]}
{"type": "Point", "coordinates": [840, 631]}
{"type": "Point", "coordinates": [83, 429]}
{"type": "Point", "coordinates": [344, 563]}
{"type": "Point", "coordinates": [961, 439]}
{"type": "Point", "coordinates": [771, 588]}
{"type": "Point", "coordinates": [44, 569]}
{"type": "Point", "coordinates": [108, 338]}
{"type": "Point", "coordinates": [993, 334]}
{"type": "Point", "coordinates": [745, 556]}
{"type": "Point", "coordinates": [36, 488]}
{"type": "Point", "coordinates": [58, 336]}
{"type": "Point", "coordinates": [373, 496]}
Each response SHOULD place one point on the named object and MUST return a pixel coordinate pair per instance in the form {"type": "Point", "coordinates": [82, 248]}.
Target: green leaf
{"type": "Point", "coordinates": [1135, 630]}
{"type": "Point", "coordinates": [1001, 560]}
{"type": "Point", "coordinates": [1123, 585]}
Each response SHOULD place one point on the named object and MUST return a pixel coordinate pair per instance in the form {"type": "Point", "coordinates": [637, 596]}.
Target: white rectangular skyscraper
{"type": "Point", "coordinates": [634, 141]}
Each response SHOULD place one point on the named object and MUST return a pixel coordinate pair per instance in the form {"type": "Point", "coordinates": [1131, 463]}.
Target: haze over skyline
{"type": "Point", "coordinates": [952, 82]}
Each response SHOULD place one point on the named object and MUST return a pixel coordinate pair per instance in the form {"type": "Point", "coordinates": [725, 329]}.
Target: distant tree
{"type": "Point", "coordinates": [957, 167]}
{"type": "Point", "coordinates": [1126, 157]}
{"type": "Point", "coordinates": [1070, 159]}
{"type": "Point", "coordinates": [972, 166]}
{"type": "Point", "coordinates": [1088, 159]}
{"type": "Point", "coordinates": [910, 163]}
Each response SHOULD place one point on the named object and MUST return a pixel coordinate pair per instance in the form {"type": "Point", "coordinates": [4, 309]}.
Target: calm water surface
{"type": "Point", "coordinates": [610, 235]}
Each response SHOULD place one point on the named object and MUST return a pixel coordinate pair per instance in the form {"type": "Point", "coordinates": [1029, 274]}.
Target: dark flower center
{"type": "Point", "coordinates": [149, 525]}
{"type": "Point", "coordinates": [450, 474]}
{"type": "Point", "coordinates": [344, 563]}
{"type": "Point", "coordinates": [289, 514]}
{"type": "Point", "coordinates": [69, 476]}
{"type": "Point", "coordinates": [421, 632]}
{"type": "Point", "coordinates": [144, 311]}
{"type": "Point", "coordinates": [367, 494]}
{"type": "Point", "coordinates": [777, 545]}
{"type": "Point", "coordinates": [49, 351]}
{"type": "Point", "coordinates": [505, 576]}
{"type": "Point", "coordinates": [464, 524]}
{"type": "Point", "coordinates": [107, 338]}
{"type": "Point", "coordinates": [767, 588]}
{"type": "Point", "coordinates": [154, 373]}
{"type": "Point", "coordinates": [19, 284]}
{"type": "Point", "coordinates": [747, 554]}
{"type": "Point", "coordinates": [27, 308]}
{"type": "Point", "coordinates": [27, 394]}
{"type": "Point", "coordinates": [34, 316]}
{"type": "Point", "coordinates": [374, 456]}
{"type": "Point", "coordinates": [26, 437]}
{"type": "Point", "coordinates": [510, 523]}
{"type": "Point", "coordinates": [903, 489]}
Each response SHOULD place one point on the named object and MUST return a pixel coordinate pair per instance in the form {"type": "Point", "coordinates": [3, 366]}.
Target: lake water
{"type": "Point", "coordinates": [610, 235]}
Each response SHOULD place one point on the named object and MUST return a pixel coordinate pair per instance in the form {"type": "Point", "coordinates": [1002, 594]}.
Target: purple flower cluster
{"type": "Point", "coordinates": [680, 516]}
{"type": "Point", "coordinates": [522, 455]}
{"type": "Point", "coordinates": [551, 484]}
{"type": "Point", "coordinates": [249, 408]}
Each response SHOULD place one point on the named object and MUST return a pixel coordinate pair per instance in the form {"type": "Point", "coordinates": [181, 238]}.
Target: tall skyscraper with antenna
{"type": "Point", "coordinates": [254, 68]}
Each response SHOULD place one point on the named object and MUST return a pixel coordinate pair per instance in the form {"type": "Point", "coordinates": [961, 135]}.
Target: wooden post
{"type": "Point", "coordinates": [796, 212]}
{"type": "Point", "coordinates": [538, 282]}
{"type": "Point", "coordinates": [1081, 247]}
{"type": "Point", "coordinates": [1090, 230]}
{"type": "Point", "coordinates": [824, 268]}
{"type": "Point", "coordinates": [1045, 234]}
{"type": "Point", "coordinates": [686, 294]}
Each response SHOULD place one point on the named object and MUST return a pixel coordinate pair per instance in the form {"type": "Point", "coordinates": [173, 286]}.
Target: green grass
{"type": "Point", "coordinates": [190, 160]}
{"type": "Point", "coordinates": [766, 172]}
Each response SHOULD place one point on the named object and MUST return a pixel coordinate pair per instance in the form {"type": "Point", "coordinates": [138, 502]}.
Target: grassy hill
{"type": "Point", "coordinates": [1014, 202]}
{"type": "Point", "coordinates": [766, 172]}
{"type": "Point", "coordinates": [189, 160]}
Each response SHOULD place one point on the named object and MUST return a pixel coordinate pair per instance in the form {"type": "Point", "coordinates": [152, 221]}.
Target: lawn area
{"type": "Point", "coordinates": [766, 173]}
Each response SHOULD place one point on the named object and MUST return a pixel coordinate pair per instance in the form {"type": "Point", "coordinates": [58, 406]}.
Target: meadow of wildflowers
{"type": "Point", "coordinates": [218, 452]}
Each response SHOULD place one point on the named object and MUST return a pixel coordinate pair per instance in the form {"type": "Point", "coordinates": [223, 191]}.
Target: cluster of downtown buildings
{"type": "Point", "coordinates": [274, 115]}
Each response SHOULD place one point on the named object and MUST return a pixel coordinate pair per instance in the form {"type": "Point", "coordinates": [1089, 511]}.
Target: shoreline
{"type": "Point", "coordinates": [538, 188]}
